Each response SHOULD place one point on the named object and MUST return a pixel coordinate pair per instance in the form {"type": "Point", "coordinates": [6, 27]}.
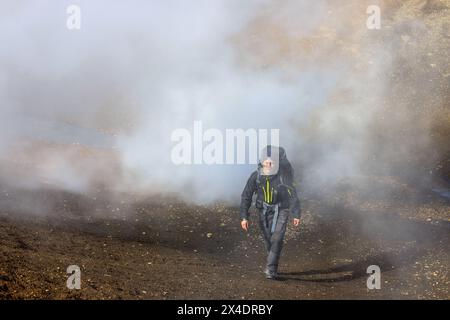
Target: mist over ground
{"type": "Point", "coordinates": [86, 139]}
{"type": "Point", "coordinates": [95, 108]}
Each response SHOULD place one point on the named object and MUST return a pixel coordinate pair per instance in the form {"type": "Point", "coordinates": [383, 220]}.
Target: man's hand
{"type": "Point", "coordinates": [296, 222]}
{"type": "Point", "coordinates": [244, 224]}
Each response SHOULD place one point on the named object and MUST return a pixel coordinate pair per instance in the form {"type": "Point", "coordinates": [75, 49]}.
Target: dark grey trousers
{"type": "Point", "coordinates": [274, 241]}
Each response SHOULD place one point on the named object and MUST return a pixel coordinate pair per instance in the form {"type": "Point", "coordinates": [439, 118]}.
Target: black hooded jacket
{"type": "Point", "coordinates": [270, 189]}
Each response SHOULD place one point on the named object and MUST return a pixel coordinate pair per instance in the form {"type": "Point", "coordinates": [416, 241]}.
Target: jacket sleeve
{"type": "Point", "coordinates": [247, 195]}
{"type": "Point", "coordinates": [294, 203]}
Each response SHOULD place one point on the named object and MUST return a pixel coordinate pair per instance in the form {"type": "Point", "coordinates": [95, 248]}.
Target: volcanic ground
{"type": "Point", "coordinates": [163, 248]}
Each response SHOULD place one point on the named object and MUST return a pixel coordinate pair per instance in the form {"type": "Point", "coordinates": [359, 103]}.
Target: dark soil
{"type": "Point", "coordinates": [165, 249]}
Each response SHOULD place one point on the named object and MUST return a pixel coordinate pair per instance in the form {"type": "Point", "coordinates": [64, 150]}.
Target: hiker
{"type": "Point", "coordinates": [276, 199]}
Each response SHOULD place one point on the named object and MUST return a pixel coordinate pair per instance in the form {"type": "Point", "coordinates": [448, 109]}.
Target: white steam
{"type": "Point", "coordinates": [138, 70]}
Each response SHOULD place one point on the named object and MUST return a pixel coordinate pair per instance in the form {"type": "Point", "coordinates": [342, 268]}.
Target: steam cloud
{"type": "Point", "coordinates": [97, 106]}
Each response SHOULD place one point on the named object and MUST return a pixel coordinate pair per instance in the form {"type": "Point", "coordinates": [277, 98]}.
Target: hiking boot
{"type": "Point", "coordinates": [270, 274]}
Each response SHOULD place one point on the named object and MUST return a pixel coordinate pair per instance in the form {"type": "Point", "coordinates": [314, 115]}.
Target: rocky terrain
{"type": "Point", "coordinates": [162, 248]}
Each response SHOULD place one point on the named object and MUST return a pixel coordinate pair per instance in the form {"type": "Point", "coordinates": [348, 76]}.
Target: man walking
{"type": "Point", "coordinates": [276, 199]}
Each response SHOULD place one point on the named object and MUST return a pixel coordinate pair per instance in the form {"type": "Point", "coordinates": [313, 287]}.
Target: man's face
{"type": "Point", "coordinates": [268, 166]}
